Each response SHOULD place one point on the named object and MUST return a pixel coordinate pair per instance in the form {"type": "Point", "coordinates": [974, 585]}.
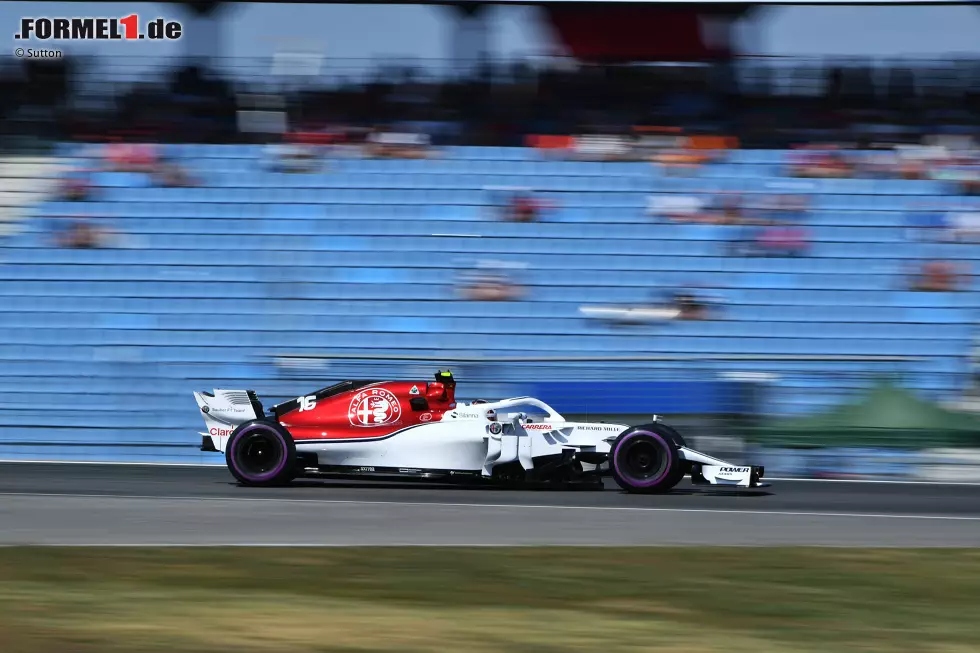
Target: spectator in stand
{"type": "Point", "coordinates": [515, 204]}
{"type": "Point", "coordinates": [921, 161]}
{"type": "Point", "coordinates": [597, 147]}
{"type": "Point", "coordinates": [490, 280]}
{"type": "Point", "coordinates": [688, 303]}
{"type": "Point", "coordinates": [131, 157]}
{"type": "Point", "coordinates": [170, 174]}
{"type": "Point", "coordinates": [80, 233]}
{"type": "Point", "coordinates": [392, 144]}
{"type": "Point", "coordinates": [147, 159]}
{"type": "Point", "coordinates": [690, 306]}
{"type": "Point", "coordinates": [525, 207]}
{"type": "Point", "coordinates": [818, 161]}
{"type": "Point", "coordinates": [731, 209]}
{"type": "Point", "coordinates": [677, 208]}
{"type": "Point", "coordinates": [882, 163]}
{"type": "Point", "coordinates": [964, 226]}
{"type": "Point", "coordinates": [490, 286]}
{"type": "Point", "coordinates": [939, 276]}
{"type": "Point", "coordinates": [723, 208]}
{"type": "Point", "coordinates": [970, 184]}
{"type": "Point", "coordinates": [681, 160]}
{"type": "Point", "coordinates": [783, 240]}
{"type": "Point", "coordinates": [292, 157]}
{"type": "Point", "coordinates": [959, 168]}
{"type": "Point", "coordinates": [911, 170]}
{"type": "Point", "coordinates": [76, 188]}
{"type": "Point", "coordinates": [935, 221]}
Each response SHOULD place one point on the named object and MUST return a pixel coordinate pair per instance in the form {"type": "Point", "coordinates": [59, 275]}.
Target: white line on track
{"type": "Point", "coordinates": [875, 481]}
{"type": "Point", "coordinates": [420, 545]}
{"type": "Point", "coordinates": [503, 506]}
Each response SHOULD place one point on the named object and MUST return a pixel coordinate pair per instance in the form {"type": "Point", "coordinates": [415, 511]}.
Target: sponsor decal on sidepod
{"type": "Point", "coordinates": [374, 407]}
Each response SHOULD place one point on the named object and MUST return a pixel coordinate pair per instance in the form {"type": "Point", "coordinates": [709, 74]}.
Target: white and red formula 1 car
{"type": "Point", "coordinates": [408, 428]}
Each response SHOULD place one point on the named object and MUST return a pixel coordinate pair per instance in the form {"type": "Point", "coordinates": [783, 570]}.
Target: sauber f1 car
{"type": "Point", "coordinates": [407, 428]}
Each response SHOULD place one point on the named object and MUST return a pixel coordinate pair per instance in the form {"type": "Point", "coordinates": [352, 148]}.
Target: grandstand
{"type": "Point", "coordinates": [209, 284]}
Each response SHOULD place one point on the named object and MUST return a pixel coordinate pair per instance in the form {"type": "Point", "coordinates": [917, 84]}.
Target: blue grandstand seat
{"type": "Point", "coordinates": [364, 256]}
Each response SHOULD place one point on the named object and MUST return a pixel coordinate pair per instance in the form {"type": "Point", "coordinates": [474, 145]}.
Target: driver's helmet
{"type": "Point", "coordinates": [444, 387]}
{"type": "Point", "coordinates": [446, 378]}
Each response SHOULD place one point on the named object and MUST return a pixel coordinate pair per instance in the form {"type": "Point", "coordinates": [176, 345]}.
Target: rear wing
{"type": "Point", "coordinates": [223, 411]}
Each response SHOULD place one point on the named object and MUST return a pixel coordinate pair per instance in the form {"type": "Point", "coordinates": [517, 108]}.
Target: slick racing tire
{"type": "Point", "coordinates": [261, 453]}
{"type": "Point", "coordinates": [645, 459]}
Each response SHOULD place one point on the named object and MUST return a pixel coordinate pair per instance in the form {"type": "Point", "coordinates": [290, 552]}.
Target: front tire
{"type": "Point", "coordinates": [261, 453]}
{"type": "Point", "coordinates": [645, 459]}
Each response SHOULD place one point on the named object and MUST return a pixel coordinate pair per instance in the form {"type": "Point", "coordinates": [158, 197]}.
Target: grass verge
{"type": "Point", "coordinates": [545, 600]}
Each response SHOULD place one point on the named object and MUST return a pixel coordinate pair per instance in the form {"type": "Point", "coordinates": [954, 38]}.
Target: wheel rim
{"type": "Point", "coordinates": [259, 454]}
{"type": "Point", "coordinates": [643, 460]}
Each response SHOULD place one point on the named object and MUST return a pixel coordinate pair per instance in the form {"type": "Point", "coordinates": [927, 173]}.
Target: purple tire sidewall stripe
{"type": "Point", "coordinates": [651, 481]}
{"type": "Point", "coordinates": [267, 475]}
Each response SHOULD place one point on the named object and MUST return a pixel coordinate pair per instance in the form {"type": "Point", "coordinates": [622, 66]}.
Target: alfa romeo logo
{"type": "Point", "coordinates": [374, 407]}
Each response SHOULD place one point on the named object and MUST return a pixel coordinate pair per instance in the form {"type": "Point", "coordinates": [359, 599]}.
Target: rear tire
{"type": "Point", "coordinates": [645, 459]}
{"type": "Point", "coordinates": [261, 453]}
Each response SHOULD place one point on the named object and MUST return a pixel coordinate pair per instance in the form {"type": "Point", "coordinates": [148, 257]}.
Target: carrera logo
{"type": "Point", "coordinates": [735, 470]}
{"type": "Point", "coordinates": [217, 431]}
{"type": "Point", "coordinates": [538, 427]}
{"type": "Point", "coordinates": [374, 407]}
{"type": "Point", "coordinates": [425, 417]}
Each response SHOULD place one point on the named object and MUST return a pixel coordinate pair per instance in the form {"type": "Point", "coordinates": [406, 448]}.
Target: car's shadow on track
{"type": "Point", "coordinates": [719, 492]}
{"type": "Point", "coordinates": [385, 485]}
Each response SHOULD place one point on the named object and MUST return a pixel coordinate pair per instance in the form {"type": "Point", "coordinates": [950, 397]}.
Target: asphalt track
{"type": "Point", "coordinates": [64, 504]}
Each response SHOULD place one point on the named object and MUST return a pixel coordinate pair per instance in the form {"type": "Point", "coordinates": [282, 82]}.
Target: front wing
{"type": "Point", "coordinates": [708, 470]}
